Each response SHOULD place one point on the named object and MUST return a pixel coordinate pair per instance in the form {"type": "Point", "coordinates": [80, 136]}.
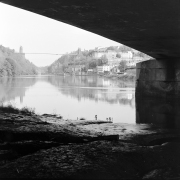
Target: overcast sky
{"type": "Point", "coordinates": [38, 34]}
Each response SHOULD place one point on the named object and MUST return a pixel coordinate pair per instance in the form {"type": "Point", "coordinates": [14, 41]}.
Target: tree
{"type": "Point", "coordinates": [118, 55]}
{"type": "Point", "coordinates": [111, 48]}
{"type": "Point", "coordinates": [124, 48]}
{"type": "Point", "coordinates": [92, 65]}
{"type": "Point", "coordinates": [123, 65]}
{"type": "Point", "coordinates": [104, 59]}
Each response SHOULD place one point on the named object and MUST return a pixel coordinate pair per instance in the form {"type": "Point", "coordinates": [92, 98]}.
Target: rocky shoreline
{"type": "Point", "coordinates": [47, 146]}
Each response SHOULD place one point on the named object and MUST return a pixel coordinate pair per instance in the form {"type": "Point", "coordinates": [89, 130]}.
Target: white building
{"type": "Point", "coordinates": [126, 55]}
{"type": "Point", "coordinates": [102, 69]}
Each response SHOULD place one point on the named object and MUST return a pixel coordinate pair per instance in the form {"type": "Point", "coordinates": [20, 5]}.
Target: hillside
{"type": "Point", "coordinates": [14, 64]}
{"type": "Point", "coordinates": [90, 59]}
{"type": "Point", "coordinates": [65, 62]}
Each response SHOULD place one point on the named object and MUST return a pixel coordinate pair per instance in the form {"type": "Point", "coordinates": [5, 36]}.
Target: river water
{"type": "Point", "coordinates": [72, 96]}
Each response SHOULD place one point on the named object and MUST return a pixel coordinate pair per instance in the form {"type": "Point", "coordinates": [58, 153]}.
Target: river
{"type": "Point", "coordinates": [72, 96]}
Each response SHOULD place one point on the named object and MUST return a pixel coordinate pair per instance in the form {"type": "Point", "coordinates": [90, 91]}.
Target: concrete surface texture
{"type": "Point", "coordinates": [148, 26]}
{"type": "Point", "coordinates": [158, 78]}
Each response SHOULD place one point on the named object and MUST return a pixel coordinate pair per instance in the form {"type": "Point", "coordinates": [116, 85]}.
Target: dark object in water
{"type": "Point", "coordinates": [82, 119]}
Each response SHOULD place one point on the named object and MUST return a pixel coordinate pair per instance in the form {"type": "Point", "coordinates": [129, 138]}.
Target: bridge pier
{"type": "Point", "coordinates": [161, 112]}
{"type": "Point", "coordinates": [158, 78]}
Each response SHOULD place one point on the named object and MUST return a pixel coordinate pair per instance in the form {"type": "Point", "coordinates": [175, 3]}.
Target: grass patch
{"type": "Point", "coordinates": [11, 109]}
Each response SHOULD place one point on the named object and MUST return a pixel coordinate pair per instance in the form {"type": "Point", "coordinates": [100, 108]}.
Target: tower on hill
{"type": "Point", "coordinates": [79, 51]}
{"type": "Point", "coordinates": [21, 52]}
{"type": "Point", "coordinates": [21, 49]}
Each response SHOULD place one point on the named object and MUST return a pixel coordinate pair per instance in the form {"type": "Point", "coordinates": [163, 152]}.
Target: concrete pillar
{"type": "Point", "coordinates": [160, 112]}
{"type": "Point", "coordinates": [158, 78]}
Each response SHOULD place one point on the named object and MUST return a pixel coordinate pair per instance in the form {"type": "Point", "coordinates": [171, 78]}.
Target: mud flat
{"type": "Point", "coordinates": [47, 146]}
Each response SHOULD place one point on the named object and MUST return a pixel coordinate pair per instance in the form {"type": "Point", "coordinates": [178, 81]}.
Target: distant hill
{"type": "Point", "coordinates": [87, 60]}
{"type": "Point", "coordinates": [14, 64]}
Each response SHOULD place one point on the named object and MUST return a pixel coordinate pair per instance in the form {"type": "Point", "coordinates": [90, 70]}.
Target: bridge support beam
{"type": "Point", "coordinates": [158, 78]}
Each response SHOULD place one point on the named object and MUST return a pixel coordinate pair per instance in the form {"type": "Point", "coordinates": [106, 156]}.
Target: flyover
{"type": "Point", "coordinates": [150, 26]}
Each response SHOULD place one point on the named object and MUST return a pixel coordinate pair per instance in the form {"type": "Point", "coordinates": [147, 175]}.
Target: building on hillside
{"type": "Point", "coordinates": [98, 53]}
{"type": "Point", "coordinates": [131, 64]}
{"type": "Point", "coordinates": [101, 49]}
{"type": "Point", "coordinates": [115, 69]}
{"type": "Point", "coordinates": [114, 62]}
{"type": "Point", "coordinates": [126, 55]}
{"type": "Point", "coordinates": [112, 59]}
{"type": "Point", "coordinates": [102, 69]}
{"type": "Point", "coordinates": [110, 54]}
{"type": "Point", "coordinates": [77, 68]}
{"type": "Point", "coordinates": [91, 71]}
{"type": "Point", "coordinates": [136, 59]}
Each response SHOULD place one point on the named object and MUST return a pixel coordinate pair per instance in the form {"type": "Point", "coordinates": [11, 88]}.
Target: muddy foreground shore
{"type": "Point", "coordinates": [47, 146]}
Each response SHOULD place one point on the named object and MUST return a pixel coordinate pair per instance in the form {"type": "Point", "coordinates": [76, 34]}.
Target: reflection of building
{"type": "Point", "coordinates": [21, 99]}
{"type": "Point", "coordinates": [129, 96]}
{"type": "Point", "coordinates": [111, 96]}
{"type": "Point", "coordinates": [97, 89]}
{"type": "Point", "coordinates": [105, 82]}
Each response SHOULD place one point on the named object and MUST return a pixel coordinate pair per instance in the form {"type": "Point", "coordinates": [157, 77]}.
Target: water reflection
{"type": "Point", "coordinates": [11, 88]}
{"type": "Point", "coordinates": [95, 88]}
{"type": "Point", "coordinates": [72, 97]}
{"type": "Point", "coordinates": [85, 96]}
{"type": "Point", "coordinates": [161, 112]}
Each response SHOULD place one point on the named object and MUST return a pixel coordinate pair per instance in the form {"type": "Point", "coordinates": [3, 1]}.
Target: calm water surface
{"type": "Point", "coordinates": [72, 97]}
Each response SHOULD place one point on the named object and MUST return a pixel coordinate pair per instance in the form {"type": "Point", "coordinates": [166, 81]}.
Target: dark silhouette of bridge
{"type": "Point", "coordinates": [150, 26]}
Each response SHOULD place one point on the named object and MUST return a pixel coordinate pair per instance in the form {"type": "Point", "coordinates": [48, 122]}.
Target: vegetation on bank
{"type": "Point", "coordinates": [11, 109]}
{"type": "Point", "coordinates": [15, 64]}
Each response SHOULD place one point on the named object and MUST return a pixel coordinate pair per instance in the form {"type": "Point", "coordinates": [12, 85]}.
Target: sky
{"type": "Point", "coordinates": [39, 34]}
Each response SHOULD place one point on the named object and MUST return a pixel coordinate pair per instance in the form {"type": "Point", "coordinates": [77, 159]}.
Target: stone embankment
{"type": "Point", "coordinates": [47, 146]}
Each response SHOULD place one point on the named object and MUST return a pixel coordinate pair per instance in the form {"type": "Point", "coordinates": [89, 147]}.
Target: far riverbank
{"type": "Point", "coordinates": [129, 75]}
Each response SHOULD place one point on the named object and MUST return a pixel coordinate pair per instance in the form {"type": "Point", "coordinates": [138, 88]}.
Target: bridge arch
{"type": "Point", "coordinates": [151, 27]}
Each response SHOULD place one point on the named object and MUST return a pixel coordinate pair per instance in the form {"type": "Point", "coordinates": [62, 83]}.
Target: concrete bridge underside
{"type": "Point", "coordinates": [150, 26]}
